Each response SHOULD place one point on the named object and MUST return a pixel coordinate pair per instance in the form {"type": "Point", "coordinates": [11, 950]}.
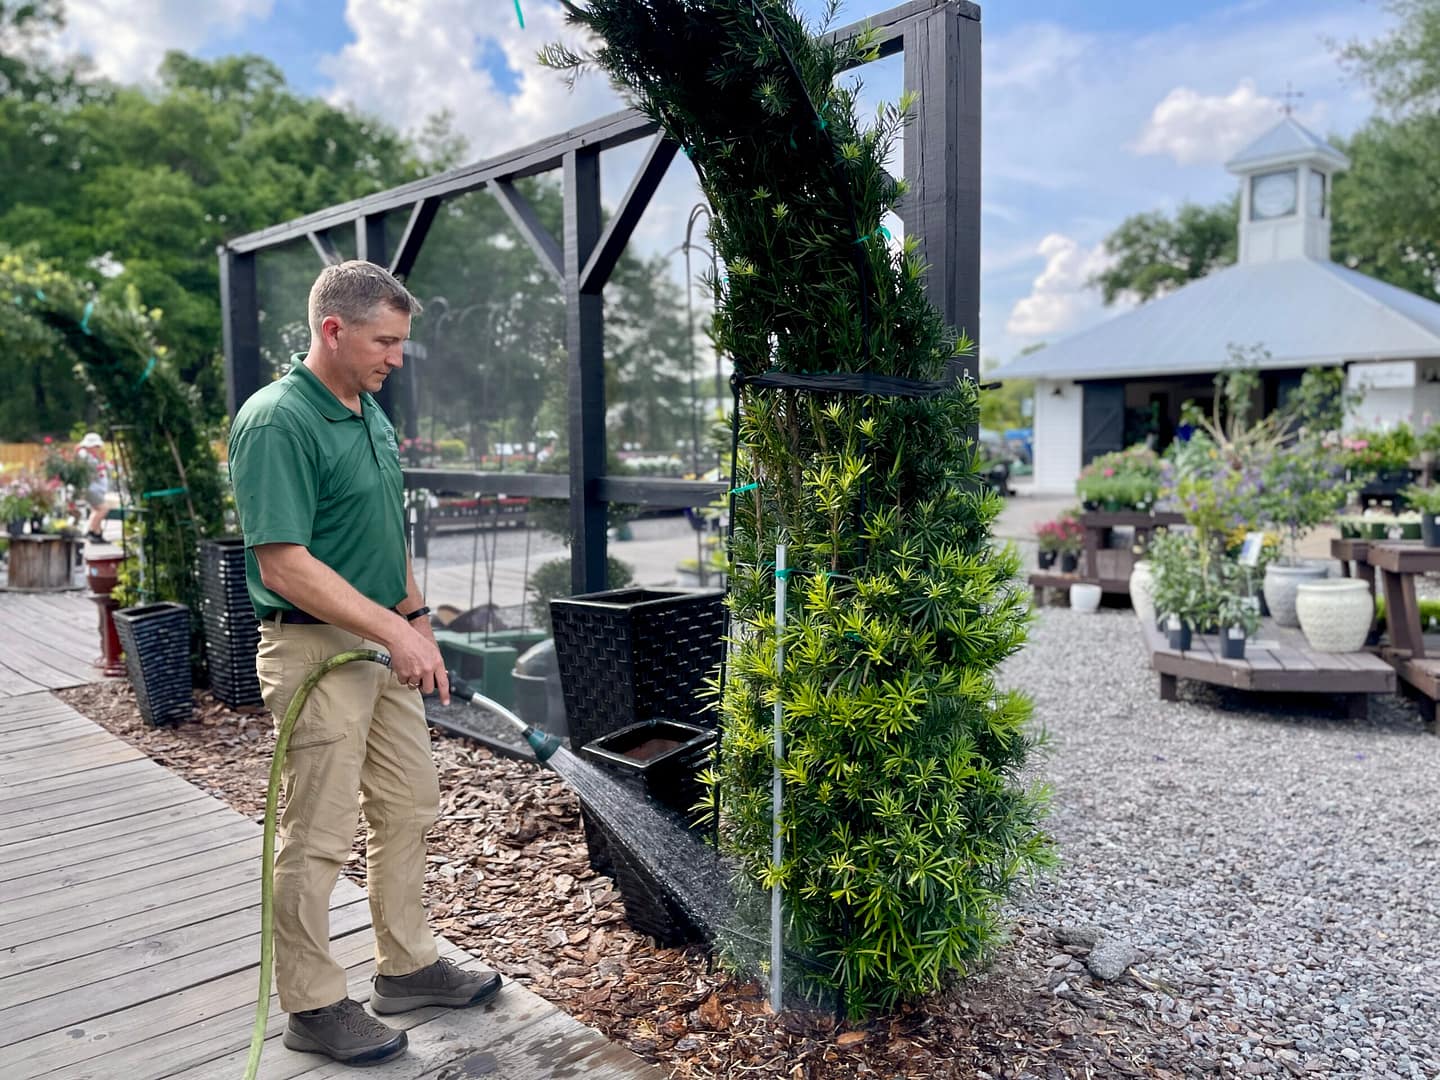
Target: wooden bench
{"type": "Point", "coordinates": [1277, 660]}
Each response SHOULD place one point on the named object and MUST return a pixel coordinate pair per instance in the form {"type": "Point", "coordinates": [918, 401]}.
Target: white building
{"type": "Point", "coordinates": [1284, 295]}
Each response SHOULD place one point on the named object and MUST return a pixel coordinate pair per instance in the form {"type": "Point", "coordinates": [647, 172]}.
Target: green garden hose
{"type": "Point", "coordinates": [543, 743]}
{"type": "Point", "coordinates": [267, 853]}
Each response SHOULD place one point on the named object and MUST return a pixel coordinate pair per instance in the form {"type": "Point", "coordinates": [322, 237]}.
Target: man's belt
{"type": "Point", "coordinates": [295, 615]}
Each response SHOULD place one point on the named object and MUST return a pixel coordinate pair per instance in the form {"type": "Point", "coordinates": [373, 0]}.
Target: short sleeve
{"type": "Point", "coordinates": [276, 485]}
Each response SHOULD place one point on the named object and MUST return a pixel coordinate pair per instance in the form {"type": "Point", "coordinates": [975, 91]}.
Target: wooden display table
{"type": "Point", "coordinates": [1399, 563]}
{"type": "Point", "coordinates": [1278, 660]}
{"type": "Point", "coordinates": [44, 563]}
{"type": "Point", "coordinates": [1101, 564]}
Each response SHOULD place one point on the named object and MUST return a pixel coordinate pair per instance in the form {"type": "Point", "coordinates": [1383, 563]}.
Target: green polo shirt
{"type": "Point", "coordinates": [307, 470]}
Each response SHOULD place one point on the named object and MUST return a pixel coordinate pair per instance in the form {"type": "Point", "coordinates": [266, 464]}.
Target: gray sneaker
{"type": "Point", "coordinates": [345, 1032]}
{"type": "Point", "coordinates": [442, 983]}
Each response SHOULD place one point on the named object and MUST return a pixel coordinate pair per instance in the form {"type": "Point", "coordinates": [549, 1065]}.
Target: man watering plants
{"type": "Point", "coordinates": [318, 488]}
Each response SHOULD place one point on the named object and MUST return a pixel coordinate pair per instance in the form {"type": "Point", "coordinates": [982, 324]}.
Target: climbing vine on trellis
{"type": "Point", "coordinates": [173, 481]}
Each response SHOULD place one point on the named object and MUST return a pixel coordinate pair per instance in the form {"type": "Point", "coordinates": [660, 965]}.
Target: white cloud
{"type": "Point", "coordinates": [1061, 296]}
{"type": "Point", "coordinates": [1195, 128]}
{"type": "Point", "coordinates": [409, 60]}
{"type": "Point", "coordinates": [128, 38]}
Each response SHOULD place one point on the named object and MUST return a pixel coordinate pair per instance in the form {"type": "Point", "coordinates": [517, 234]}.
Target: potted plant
{"type": "Point", "coordinates": [1378, 461]}
{"type": "Point", "coordinates": [1426, 500]}
{"type": "Point", "coordinates": [1238, 617]}
{"type": "Point", "coordinates": [1335, 614]}
{"type": "Point", "coordinates": [1185, 601]}
{"type": "Point", "coordinates": [1303, 485]}
{"type": "Point", "coordinates": [1049, 535]}
{"type": "Point", "coordinates": [1072, 542]}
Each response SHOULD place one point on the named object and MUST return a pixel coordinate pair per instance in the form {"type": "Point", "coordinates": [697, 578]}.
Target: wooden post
{"type": "Point", "coordinates": [1169, 688]}
{"type": "Point", "coordinates": [585, 336]}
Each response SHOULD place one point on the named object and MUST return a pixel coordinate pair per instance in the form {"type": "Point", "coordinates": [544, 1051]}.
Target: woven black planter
{"type": "Point", "coordinates": [648, 905]}
{"type": "Point", "coordinates": [629, 655]}
{"type": "Point", "coordinates": [156, 640]}
{"type": "Point", "coordinates": [231, 633]}
{"type": "Point", "coordinates": [660, 759]}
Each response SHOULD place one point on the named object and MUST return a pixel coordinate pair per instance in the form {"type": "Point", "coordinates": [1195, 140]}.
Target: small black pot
{"type": "Point", "coordinates": [1232, 648]}
{"type": "Point", "coordinates": [1047, 559]}
{"type": "Point", "coordinates": [1069, 561]}
{"type": "Point", "coordinates": [1180, 638]}
{"type": "Point", "coordinates": [17, 528]}
{"type": "Point", "coordinates": [1429, 531]}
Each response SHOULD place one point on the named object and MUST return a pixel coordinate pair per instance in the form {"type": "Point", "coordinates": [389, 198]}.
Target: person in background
{"type": "Point", "coordinates": [92, 447]}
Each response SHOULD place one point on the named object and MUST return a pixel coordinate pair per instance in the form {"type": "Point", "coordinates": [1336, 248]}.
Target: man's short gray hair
{"type": "Point", "coordinates": [353, 290]}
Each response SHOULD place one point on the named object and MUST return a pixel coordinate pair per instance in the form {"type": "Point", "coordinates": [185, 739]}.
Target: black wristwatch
{"type": "Point", "coordinates": [418, 613]}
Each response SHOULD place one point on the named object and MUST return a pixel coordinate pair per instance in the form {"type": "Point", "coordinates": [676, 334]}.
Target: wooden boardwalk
{"type": "Point", "coordinates": [129, 933]}
{"type": "Point", "coordinates": [47, 642]}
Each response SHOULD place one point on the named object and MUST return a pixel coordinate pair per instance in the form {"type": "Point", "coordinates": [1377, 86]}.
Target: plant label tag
{"type": "Point", "coordinates": [1236, 633]}
{"type": "Point", "coordinates": [1250, 549]}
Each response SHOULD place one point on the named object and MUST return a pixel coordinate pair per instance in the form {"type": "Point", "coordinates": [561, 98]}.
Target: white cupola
{"type": "Point", "coordinates": [1285, 180]}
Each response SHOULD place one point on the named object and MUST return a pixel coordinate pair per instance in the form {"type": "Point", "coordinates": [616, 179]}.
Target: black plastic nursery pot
{"type": "Point", "coordinates": [660, 759]}
{"type": "Point", "coordinates": [1046, 559]}
{"type": "Point", "coordinates": [627, 655]}
{"type": "Point", "coordinates": [1069, 562]}
{"type": "Point", "coordinates": [1180, 638]}
{"type": "Point", "coordinates": [1429, 530]}
{"type": "Point", "coordinates": [1232, 647]}
{"type": "Point", "coordinates": [156, 641]}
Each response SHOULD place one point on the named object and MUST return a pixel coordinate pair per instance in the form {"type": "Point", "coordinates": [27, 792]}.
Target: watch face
{"type": "Point", "coordinates": [1316, 197]}
{"type": "Point", "coordinates": [1272, 195]}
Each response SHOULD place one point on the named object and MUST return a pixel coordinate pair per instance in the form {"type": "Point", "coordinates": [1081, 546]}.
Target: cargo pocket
{"type": "Point", "coordinates": [278, 683]}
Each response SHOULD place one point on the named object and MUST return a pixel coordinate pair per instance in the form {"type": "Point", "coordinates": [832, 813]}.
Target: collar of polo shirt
{"type": "Point", "coordinates": [320, 395]}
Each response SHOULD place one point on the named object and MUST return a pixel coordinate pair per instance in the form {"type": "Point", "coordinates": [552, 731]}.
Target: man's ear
{"type": "Point", "coordinates": [330, 328]}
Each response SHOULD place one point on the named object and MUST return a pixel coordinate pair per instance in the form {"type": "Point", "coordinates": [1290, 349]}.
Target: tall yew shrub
{"type": "Point", "coordinates": [906, 819]}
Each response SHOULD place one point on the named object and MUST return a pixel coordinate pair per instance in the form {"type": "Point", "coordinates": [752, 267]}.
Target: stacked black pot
{"type": "Point", "coordinates": [156, 640]}
{"type": "Point", "coordinates": [231, 632]}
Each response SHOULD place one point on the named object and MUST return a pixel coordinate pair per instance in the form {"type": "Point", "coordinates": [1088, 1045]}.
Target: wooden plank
{"type": "Point", "coordinates": [133, 900]}
{"type": "Point", "coordinates": [13, 684]}
{"type": "Point", "coordinates": [182, 1029]}
{"type": "Point", "coordinates": [58, 729]}
{"type": "Point", "coordinates": [76, 801]}
{"type": "Point", "coordinates": [161, 797]}
{"type": "Point", "coordinates": [1293, 659]}
{"type": "Point", "coordinates": [34, 897]}
{"type": "Point", "coordinates": [38, 709]}
{"type": "Point", "coordinates": [24, 793]}
{"type": "Point", "coordinates": [105, 842]}
{"type": "Point", "coordinates": [187, 842]}
{"type": "Point", "coordinates": [97, 756]}
{"type": "Point", "coordinates": [45, 663]}
{"type": "Point", "coordinates": [71, 749]}
{"type": "Point", "coordinates": [49, 999]}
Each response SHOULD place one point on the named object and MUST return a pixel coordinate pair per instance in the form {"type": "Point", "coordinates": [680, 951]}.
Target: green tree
{"type": "Point", "coordinates": [906, 815]}
{"type": "Point", "coordinates": [1387, 207]}
{"type": "Point", "coordinates": [1155, 253]}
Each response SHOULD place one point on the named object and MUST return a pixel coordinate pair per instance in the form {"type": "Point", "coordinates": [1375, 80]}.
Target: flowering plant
{"type": "Point", "coordinates": [1369, 452]}
{"type": "Point", "coordinates": [1064, 534]}
{"type": "Point", "coordinates": [25, 496]}
{"type": "Point", "coordinates": [67, 466]}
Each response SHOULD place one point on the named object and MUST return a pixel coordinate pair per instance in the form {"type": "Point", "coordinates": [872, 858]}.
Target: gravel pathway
{"type": "Point", "coordinates": [1274, 864]}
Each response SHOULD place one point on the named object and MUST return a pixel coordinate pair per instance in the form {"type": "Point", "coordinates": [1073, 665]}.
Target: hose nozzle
{"type": "Point", "coordinates": [542, 742]}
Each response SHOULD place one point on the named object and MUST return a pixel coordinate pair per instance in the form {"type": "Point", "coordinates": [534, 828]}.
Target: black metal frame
{"type": "Point", "coordinates": [940, 40]}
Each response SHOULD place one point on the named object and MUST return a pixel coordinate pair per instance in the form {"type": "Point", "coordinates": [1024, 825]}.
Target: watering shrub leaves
{"type": "Point", "coordinates": [905, 817]}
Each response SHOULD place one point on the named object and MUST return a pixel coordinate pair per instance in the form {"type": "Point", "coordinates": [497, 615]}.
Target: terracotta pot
{"type": "Point", "coordinates": [1335, 614]}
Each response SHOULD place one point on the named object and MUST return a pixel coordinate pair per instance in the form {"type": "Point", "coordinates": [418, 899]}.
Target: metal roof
{"type": "Point", "coordinates": [1306, 312]}
{"type": "Point", "coordinates": [1287, 141]}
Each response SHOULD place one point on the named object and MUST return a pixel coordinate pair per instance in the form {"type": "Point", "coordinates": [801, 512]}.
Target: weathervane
{"type": "Point", "coordinates": [1289, 96]}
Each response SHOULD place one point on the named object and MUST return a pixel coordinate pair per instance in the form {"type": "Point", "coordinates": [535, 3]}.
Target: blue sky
{"type": "Point", "coordinates": [1093, 110]}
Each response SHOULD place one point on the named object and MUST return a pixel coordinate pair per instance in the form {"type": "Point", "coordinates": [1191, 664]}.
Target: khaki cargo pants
{"type": "Point", "coordinates": [360, 742]}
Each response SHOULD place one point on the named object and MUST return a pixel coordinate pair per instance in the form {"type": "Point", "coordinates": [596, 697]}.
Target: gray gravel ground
{"type": "Point", "coordinates": [1274, 863]}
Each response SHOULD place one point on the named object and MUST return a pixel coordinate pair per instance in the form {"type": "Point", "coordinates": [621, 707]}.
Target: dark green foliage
{"type": "Point", "coordinates": [1155, 253]}
{"type": "Point", "coordinates": [552, 579]}
{"type": "Point", "coordinates": [905, 820]}
{"type": "Point", "coordinates": [171, 471]}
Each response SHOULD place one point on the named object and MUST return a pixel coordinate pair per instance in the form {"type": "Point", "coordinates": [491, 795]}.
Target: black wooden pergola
{"type": "Point", "coordinates": [940, 41]}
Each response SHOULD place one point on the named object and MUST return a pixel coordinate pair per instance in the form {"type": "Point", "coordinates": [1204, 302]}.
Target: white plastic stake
{"type": "Point", "coordinates": [777, 790]}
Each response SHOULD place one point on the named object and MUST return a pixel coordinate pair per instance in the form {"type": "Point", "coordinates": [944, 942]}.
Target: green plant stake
{"type": "Point", "coordinates": [777, 785]}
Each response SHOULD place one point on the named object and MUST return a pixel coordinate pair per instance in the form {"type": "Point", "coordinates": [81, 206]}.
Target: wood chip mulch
{"type": "Point", "coordinates": [509, 881]}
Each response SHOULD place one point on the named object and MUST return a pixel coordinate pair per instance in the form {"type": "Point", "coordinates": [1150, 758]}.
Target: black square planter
{"type": "Point", "coordinates": [232, 636]}
{"type": "Point", "coordinates": [628, 655]}
{"type": "Point", "coordinates": [660, 759]}
{"type": "Point", "coordinates": [156, 640]}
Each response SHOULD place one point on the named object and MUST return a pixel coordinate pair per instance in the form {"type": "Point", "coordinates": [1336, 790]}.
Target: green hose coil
{"type": "Point", "coordinates": [267, 853]}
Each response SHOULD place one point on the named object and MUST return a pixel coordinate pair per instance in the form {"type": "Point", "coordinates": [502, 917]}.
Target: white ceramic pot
{"type": "Point", "coordinates": [1280, 585]}
{"type": "Point", "coordinates": [1335, 614]}
{"type": "Point", "coordinates": [1142, 592]}
{"type": "Point", "coordinates": [1085, 597]}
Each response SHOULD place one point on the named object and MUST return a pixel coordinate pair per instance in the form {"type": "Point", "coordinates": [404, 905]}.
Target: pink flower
{"type": "Point", "coordinates": [1109, 472]}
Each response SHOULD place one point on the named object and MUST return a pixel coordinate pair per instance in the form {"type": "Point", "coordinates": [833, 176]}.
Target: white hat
{"type": "Point", "coordinates": [91, 439]}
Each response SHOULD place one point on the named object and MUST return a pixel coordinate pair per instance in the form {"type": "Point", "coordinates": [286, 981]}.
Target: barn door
{"type": "Point", "coordinates": [1102, 421]}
